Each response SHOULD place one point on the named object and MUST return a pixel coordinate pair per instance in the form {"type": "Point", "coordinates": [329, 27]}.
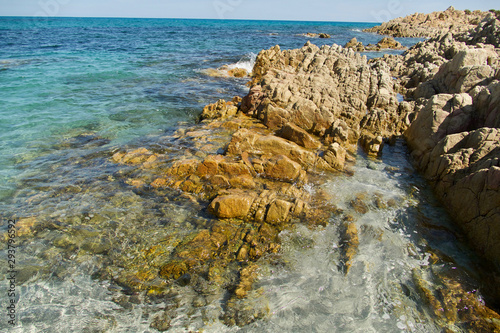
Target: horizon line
{"type": "Point", "coordinates": [180, 18]}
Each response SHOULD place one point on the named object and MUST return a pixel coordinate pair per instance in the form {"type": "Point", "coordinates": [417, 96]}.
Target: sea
{"type": "Point", "coordinates": [75, 90]}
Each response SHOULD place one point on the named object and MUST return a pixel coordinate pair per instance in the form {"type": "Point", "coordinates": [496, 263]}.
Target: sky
{"type": "Point", "coordinates": [303, 10]}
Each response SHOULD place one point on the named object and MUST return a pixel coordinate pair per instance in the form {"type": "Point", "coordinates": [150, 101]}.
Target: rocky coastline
{"type": "Point", "coordinates": [432, 24]}
{"type": "Point", "coordinates": [306, 113]}
{"type": "Point", "coordinates": [452, 81]}
{"type": "Point", "coordinates": [450, 114]}
{"type": "Point", "coordinates": [253, 167]}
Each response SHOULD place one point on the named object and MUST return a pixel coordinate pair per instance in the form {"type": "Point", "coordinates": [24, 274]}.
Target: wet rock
{"type": "Point", "coordinates": [183, 167]}
{"type": "Point", "coordinates": [199, 301]}
{"type": "Point", "coordinates": [243, 181]}
{"type": "Point", "coordinates": [278, 211]}
{"type": "Point", "coordinates": [453, 304]}
{"type": "Point", "coordinates": [220, 109]}
{"type": "Point", "coordinates": [232, 169]}
{"type": "Point", "coordinates": [232, 205]}
{"type": "Point", "coordinates": [349, 245]}
{"type": "Point", "coordinates": [237, 72]}
{"type": "Point", "coordinates": [359, 205]}
{"type": "Point", "coordinates": [26, 226]}
{"type": "Point", "coordinates": [282, 168]}
{"type": "Point", "coordinates": [247, 277]}
{"type": "Point", "coordinates": [138, 156]}
{"type": "Point", "coordinates": [161, 322]}
{"type": "Point", "coordinates": [173, 270]}
{"type": "Point", "coordinates": [372, 145]}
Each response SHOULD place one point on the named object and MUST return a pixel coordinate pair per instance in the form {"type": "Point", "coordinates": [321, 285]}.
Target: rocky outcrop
{"type": "Point", "coordinates": [226, 71]}
{"type": "Point", "coordinates": [454, 140]}
{"type": "Point", "coordinates": [383, 44]}
{"type": "Point", "coordinates": [450, 115]}
{"type": "Point", "coordinates": [250, 162]}
{"type": "Point", "coordinates": [220, 109]}
{"type": "Point", "coordinates": [330, 92]}
{"type": "Point", "coordinates": [316, 35]}
{"type": "Point", "coordinates": [431, 25]}
{"type": "Point", "coordinates": [249, 182]}
{"type": "Point", "coordinates": [486, 32]}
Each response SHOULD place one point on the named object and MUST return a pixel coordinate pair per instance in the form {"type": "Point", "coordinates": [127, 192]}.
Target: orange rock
{"type": "Point", "coordinates": [220, 181]}
{"type": "Point", "coordinates": [232, 205]}
{"type": "Point", "coordinates": [159, 182]}
{"type": "Point", "coordinates": [183, 167]}
{"type": "Point", "coordinates": [299, 136]}
{"type": "Point", "coordinates": [278, 211]}
{"type": "Point", "coordinates": [282, 168]}
{"type": "Point", "coordinates": [173, 270]}
{"type": "Point", "coordinates": [243, 181]}
{"type": "Point", "coordinates": [234, 169]}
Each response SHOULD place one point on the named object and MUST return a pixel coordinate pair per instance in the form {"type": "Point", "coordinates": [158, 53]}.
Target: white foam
{"type": "Point", "coordinates": [246, 62]}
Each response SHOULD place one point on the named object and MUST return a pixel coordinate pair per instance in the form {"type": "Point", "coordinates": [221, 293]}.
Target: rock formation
{"type": "Point", "coordinates": [330, 92]}
{"type": "Point", "coordinates": [317, 35]}
{"type": "Point", "coordinates": [452, 83]}
{"type": "Point", "coordinates": [431, 25]}
{"type": "Point", "coordinates": [451, 86]}
{"type": "Point", "coordinates": [384, 43]}
{"type": "Point", "coordinates": [306, 112]}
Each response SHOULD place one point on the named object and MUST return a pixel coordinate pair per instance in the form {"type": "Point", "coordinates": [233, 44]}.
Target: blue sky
{"type": "Point", "coordinates": [308, 10]}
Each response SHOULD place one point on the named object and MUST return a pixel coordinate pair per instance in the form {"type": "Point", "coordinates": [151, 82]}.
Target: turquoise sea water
{"type": "Point", "coordinates": [122, 78]}
{"type": "Point", "coordinates": [74, 90]}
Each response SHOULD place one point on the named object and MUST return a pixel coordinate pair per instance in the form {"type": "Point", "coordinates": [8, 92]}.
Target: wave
{"type": "Point", "coordinates": [246, 62]}
{"type": "Point", "coordinates": [241, 68]}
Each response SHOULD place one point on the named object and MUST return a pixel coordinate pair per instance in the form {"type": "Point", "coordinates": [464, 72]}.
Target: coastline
{"type": "Point", "coordinates": [317, 105]}
{"type": "Point", "coordinates": [253, 171]}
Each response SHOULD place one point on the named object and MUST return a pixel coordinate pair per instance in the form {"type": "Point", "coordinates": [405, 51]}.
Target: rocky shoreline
{"type": "Point", "coordinates": [253, 168]}
{"type": "Point", "coordinates": [432, 24]}
{"type": "Point", "coordinates": [306, 113]}
{"type": "Point", "coordinates": [452, 84]}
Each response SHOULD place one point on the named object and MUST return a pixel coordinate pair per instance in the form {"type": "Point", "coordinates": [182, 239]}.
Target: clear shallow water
{"type": "Point", "coordinates": [73, 91]}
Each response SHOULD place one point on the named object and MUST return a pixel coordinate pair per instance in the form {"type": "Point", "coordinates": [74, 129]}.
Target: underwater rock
{"type": "Point", "coordinates": [247, 277]}
{"type": "Point", "coordinates": [138, 156]}
{"type": "Point", "coordinates": [349, 244]}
